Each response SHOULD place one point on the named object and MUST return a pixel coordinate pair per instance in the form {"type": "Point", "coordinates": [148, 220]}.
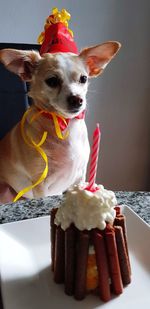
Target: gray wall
{"type": "Point", "coordinates": [119, 99]}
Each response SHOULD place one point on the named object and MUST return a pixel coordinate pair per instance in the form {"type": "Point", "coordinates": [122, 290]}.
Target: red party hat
{"type": "Point", "coordinates": [57, 37]}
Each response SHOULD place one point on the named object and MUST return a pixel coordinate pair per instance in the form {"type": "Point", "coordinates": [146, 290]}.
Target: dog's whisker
{"type": "Point", "coordinates": [92, 91]}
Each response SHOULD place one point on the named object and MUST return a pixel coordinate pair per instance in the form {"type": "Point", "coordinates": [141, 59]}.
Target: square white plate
{"type": "Point", "coordinates": [27, 280]}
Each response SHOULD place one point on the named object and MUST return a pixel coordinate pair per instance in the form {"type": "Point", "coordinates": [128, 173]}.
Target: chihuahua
{"type": "Point", "coordinates": [58, 84]}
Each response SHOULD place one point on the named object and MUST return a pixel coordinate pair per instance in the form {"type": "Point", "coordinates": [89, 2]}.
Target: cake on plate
{"type": "Point", "coordinates": [89, 243]}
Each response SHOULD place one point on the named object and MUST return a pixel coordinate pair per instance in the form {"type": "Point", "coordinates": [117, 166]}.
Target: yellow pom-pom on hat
{"type": "Point", "coordinates": [56, 32]}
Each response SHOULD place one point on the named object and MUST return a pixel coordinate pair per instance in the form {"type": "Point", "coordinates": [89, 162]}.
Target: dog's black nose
{"type": "Point", "coordinates": [74, 102]}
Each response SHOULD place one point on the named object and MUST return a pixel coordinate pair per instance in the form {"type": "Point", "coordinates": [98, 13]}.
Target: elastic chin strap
{"type": "Point", "coordinates": [31, 143]}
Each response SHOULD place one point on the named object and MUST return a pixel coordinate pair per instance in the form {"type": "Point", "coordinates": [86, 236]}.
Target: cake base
{"type": "Point", "coordinates": [105, 270]}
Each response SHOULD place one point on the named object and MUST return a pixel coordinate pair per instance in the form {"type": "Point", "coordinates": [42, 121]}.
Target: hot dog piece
{"type": "Point", "coordinates": [59, 260]}
{"type": "Point", "coordinates": [70, 241]}
{"type": "Point", "coordinates": [120, 221]}
{"type": "Point", "coordinates": [113, 261]}
{"type": "Point", "coordinates": [53, 231]}
{"type": "Point", "coordinates": [118, 211]}
{"type": "Point", "coordinates": [123, 257]}
{"type": "Point", "coordinates": [81, 264]}
{"type": "Point", "coordinates": [102, 265]}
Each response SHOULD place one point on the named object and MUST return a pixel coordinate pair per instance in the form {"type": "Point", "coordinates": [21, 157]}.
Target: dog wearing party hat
{"type": "Point", "coordinates": [48, 150]}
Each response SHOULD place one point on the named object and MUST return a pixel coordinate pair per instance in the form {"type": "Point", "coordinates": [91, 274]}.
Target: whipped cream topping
{"type": "Point", "coordinates": [87, 210]}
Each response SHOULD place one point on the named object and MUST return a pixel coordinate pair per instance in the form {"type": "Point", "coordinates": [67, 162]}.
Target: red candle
{"type": "Point", "coordinates": [94, 158]}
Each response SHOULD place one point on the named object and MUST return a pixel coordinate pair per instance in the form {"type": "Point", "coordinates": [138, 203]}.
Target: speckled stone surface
{"type": "Point", "coordinates": [21, 210]}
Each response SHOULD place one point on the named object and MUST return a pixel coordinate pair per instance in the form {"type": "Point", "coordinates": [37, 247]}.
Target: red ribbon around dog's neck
{"type": "Point", "coordinates": [63, 125]}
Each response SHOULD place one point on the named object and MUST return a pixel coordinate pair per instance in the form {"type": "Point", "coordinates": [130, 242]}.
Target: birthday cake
{"type": "Point", "coordinates": [89, 243]}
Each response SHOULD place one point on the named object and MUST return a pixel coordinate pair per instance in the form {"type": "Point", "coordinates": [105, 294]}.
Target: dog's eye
{"type": "Point", "coordinates": [53, 81]}
{"type": "Point", "coordinates": [83, 79]}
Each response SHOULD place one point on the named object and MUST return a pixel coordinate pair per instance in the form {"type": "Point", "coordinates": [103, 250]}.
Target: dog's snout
{"type": "Point", "coordinates": [74, 101]}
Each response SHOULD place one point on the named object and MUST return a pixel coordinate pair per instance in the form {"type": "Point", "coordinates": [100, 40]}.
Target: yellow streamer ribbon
{"type": "Point", "coordinates": [57, 127]}
{"type": "Point", "coordinates": [31, 143]}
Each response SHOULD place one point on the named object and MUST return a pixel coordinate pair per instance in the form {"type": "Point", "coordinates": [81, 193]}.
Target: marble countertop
{"type": "Point", "coordinates": [139, 202]}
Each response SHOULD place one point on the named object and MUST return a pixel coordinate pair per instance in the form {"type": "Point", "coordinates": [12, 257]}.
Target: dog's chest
{"type": "Point", "coordinates": [78, 141]}
{"type": "Point", "coordinates": [74, 150]}
{"type": "Point", "coordinates": [68, 158]}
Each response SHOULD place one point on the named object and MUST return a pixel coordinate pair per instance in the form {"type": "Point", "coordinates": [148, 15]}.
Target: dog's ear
{"type": "Point", "coordinates": [20, 62]}
{"type": "Point", "coordinates": [97, 57]}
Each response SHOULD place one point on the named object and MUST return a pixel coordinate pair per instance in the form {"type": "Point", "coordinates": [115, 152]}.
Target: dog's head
{"type": "Point", "coordinates": [60, 81]}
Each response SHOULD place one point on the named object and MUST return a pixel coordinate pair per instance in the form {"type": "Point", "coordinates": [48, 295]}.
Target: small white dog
{"type": "Point", "coordinates": [59, 84]}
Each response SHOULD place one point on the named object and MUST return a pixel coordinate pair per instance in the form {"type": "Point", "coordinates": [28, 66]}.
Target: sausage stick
{"type": "Point", "coordinates": [70, 243]}
{"type": "Point", "coordinates": [81, 264]}
{"type": "Point", "coordinates": [102, 266]}
{"type": "Point", "coordinates": [59, 260]}
{"type": "Point", "coordinates": [113, 261]}
{"type": "Point", "coordinates": [123, 257]}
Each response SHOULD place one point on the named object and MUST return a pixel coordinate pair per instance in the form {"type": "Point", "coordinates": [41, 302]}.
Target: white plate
{"type": "Point", "coordinates": [26, 278]}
